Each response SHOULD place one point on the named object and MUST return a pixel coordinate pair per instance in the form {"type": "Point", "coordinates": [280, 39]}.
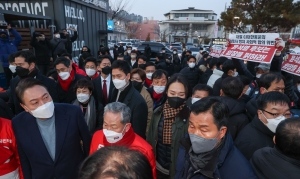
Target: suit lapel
{"type": "Point", "coordinates": [61, 127]}
{"type": "Point", "coordinates": [36, 137]}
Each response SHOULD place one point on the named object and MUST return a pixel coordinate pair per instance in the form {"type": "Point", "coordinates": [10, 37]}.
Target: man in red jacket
{"type": "Point", "coordinates": [9, 159]}
{"type": "Point", "coordinates": [117, 131]}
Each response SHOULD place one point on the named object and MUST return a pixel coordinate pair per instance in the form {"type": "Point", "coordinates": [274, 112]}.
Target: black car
{"type": "Point", "coordinates": [155, 48]}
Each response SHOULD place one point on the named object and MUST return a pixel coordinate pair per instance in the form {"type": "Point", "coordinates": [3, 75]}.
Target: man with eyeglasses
{"type": "Point", "coordinates": [266, 83]}
{"type": "Point", "coordinates": [273, 107]}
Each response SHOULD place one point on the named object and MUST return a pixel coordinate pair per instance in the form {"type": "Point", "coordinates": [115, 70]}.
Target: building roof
{"type": "Point", "coordinates": [189, 9]}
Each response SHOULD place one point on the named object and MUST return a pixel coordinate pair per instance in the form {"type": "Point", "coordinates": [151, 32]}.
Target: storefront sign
{"type": "Point", "coordinates": [292, 64]}
{"type": "Point", "coordinates": [252, 47]}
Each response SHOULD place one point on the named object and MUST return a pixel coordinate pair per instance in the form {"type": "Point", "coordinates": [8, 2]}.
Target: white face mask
{"type": "Point", "coordinates": [133, 56]}
{"type": "Point", "coordinates": [119, 83]}
{"type": "Point", "coordinates": [235, 74]}
{"type": "Point", "coordinates": [112, 136]}
{"type": "Point", "coordinates": [195, 100]}
{"type": "Point", "coordinates": [64, 75]}
{"type": "Point", "coordinates": [83, 97]}
{"type": "Point", "coordinates": [159, 89]}
{"type": "Point", "coordinates": [128, 51]}
{"type": "Point", "coordinates": [273, 123]}
{"type": "Point", "coordinates": [174, 52]}
{"type": "Point", "coordinates": [90, 72]}
{"type": "Point", "coordinates": [192, 65]}
{"type": "Point", "coordinates": [258, 75]}
{"type": "Point", "coordinates": [149, 76]}
{"type": "Point", "coordinates": [57, 36]}
{"type": "Point", "coordinates": [12, 68]}
{"type": "Point", "coordinates": [45, 111]}
{"type": "Point", "coordinates": [248, 91]}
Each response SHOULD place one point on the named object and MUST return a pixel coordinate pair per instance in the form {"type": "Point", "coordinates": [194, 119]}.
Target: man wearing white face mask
{"type": "Point", "coordinates": [273, 107]}
{"type": "Point", "coordinates": [67, 78]}
{"type": "Point", "coordinates": [125, 92]}
{"type": "Point", "coordinates": [118, 131]}
{"type": "Point", "coordinates": [47, 129]}
{"type": "Point", "coordinates": [90, 65]}
{"type": "Point", "coordinates": [132, 60]}
{"type": "Point", "coordinates": [57, 44]}
{"type": "Point", "coordinates": [200, 91]}
{"type": "Point", "coordinates": [192, 72]}
{"type": "Point", "coordinates": [150, 69]}
{"type": "Point", "coordinates": [127, 54]}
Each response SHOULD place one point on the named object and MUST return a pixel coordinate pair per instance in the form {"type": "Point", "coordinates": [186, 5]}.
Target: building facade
{"type": "Point", "coordinates": [121, 23]}
{"type": "Point", "coordinates": [189, 25]}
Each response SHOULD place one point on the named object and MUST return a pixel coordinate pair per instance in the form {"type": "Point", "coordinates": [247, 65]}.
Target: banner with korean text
{"type": "Point", "coordinates": [258, 47]}
{"type": "Point", "coordinates": [216, 51]}
{"type": "Point", "coordinates": [292, 64]}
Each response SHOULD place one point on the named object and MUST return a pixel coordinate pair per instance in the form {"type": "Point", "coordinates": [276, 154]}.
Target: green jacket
{"type": "Point", "coordinates": [179, 129]}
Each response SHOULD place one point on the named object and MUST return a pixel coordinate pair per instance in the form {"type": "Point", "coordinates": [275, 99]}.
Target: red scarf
{"type": "Point", "coordinates": [148, 82]}
{"type": "Point", "coordinates": [157, 96]}
{"type": "Point", "coordinates": [65, 84]}
{"type": "Point", "coordinates": [126, 141]}
{"type": "Point", "coordinates": [95, 75]}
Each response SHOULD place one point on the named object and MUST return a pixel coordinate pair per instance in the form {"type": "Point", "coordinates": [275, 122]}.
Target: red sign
{"type": "Point", "coordinates": [292, 64]}
{"type": "Point", "coordinates": [216, 52]}
{"type": "Point", "coordinates": [256, 53]}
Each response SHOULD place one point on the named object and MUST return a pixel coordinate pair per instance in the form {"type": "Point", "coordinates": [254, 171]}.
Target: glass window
{"type": "Point", "coordinates": [177, 15]}
{"type": "Point", "coordinates": [201, 15]}
{"type": "Point", "coordinates": [181, 27]}
{"type": "Point", "coordinates": [200, 26]}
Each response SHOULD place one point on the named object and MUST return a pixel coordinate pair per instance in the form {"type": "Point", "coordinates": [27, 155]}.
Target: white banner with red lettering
{"type": "Point", "coordinates": [292, 64]}
{"type": "Point", "coordinates": [257, 47]}
{"type": "Point", "coordinates": [216, 51]}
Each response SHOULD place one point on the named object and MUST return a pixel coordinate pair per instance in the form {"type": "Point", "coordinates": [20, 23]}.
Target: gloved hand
{"type": "Point", "coordinates": [279, 45]}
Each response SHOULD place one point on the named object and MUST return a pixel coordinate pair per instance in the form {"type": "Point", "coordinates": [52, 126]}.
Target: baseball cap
{"type": "Point", "coordinates": [264, 66]}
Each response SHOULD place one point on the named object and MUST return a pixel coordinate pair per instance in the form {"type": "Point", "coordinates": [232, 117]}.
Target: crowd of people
{"type": "Point", "coordinates": [123, 116]}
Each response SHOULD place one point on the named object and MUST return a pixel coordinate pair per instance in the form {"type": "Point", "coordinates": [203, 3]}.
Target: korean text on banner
{"type": "Point", "coordinates": [292, 64]}
{"type": "Point", "coordinates": [216, 52]}
{"type": "Point", "coordinates": [258, 47]}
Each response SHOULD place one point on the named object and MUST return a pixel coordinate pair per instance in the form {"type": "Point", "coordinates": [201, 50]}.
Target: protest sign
{"type": "Point", "coordinates": [218, 41]}
{"type": "Point", "coordinates": [292, 64]}
{"type": "Point", "coordinates": [216, 51]}
{"type": "Point", "coordinates": [252, 47]}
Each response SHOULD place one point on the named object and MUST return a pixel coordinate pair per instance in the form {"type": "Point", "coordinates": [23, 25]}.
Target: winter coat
{"type": "Point", "coordinates": [57, 45]}
{"type": "Point", "coordinates": [5, 111]}
{"type": "Point", "coordinates": [193, 75]}
{"type": "Point", "coordinates": [176, 63]}
{"type": "Point", "coordinates": [138, 106]}
{"type": "Point", "coordinates": [254, 136]}
{"type": "Point", "coordinates": [8, 46]}
{"type": "Point", "coordinates": [42, 50]}
{"type": "Point", "coordinates": [252, 108]}
{"type": "Point", "coordinates": [147, 97]}
{"type": "Point", "coordinates": [218, 85]}
{"type": "Point", "coordinates": [179, 129]}
{"type": "Point", "coordinates": [213, 78]}
{"type": "Point", "coordinates": [156, 104]}
{"type": "Point", "coordinates": [9, 158]}
{"type": "Point", "coordinates": [15, 103]}
{"type": "Point", "coordinates": [162, 65]}
{"type": "Point", "coordinates": [130, 140]}
{"type": "Point", "coordinates": [205, 76]}
{"type": "Point", "coordinates": [271, 163]}
{"type": "Point", "coordinates": [237, 116]}
{"type": "Point", "coordinates": [230, 163]}
{"type": "Point", "coordinates": [70, 39]}
{"type": "Point", "coordinates": [70, 95]}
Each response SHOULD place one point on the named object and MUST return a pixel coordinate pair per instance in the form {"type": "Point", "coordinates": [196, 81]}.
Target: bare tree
{"type": "Point", "coordinates": [131, 29]}
{"type": "Point", "coordinates": [118, 7]}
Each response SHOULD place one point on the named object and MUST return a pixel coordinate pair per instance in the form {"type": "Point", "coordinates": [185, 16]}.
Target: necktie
{"type": "Point", "coordinates": [104, 91]}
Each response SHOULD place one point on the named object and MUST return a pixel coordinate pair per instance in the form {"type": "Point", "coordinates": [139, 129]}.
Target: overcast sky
{"type": "Point", "coordinates": [156, 8]}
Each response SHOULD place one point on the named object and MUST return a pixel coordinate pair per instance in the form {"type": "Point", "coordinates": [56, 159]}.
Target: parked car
{"type": "Point", "coordinates": [155, 48]}
{"type": "Point", "coordinates": [125, 44]}
{"type": "Point", "coordinates": [175, 45]}
{"type": "Point", "coordinates": [194, 51]}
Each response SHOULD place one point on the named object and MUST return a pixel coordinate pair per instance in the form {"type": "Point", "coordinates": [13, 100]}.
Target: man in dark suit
{"type": "Point", "coordinates": [26, 68]}
{"type": "Point", "coordinates": [103, 84]}
{"type": "Point", "coordinates": [52, 139]}
{"type": "Point", "coordinates": [67, 78]}
{"type": "Point", "coordinates": [124, 92]}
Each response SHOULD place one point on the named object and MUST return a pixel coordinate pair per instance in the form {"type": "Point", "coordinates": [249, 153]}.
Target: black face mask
{"type": "Point", "coordinates": [22, 72]}
{"type": "Point", "coordinates": [175, 102]}
{"type": "Point", "coordinates": [137, 85]}
{"type": "Point", "coordinates": [142, 66]}
{"type": "Point", "coordinates": [106, 70]}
